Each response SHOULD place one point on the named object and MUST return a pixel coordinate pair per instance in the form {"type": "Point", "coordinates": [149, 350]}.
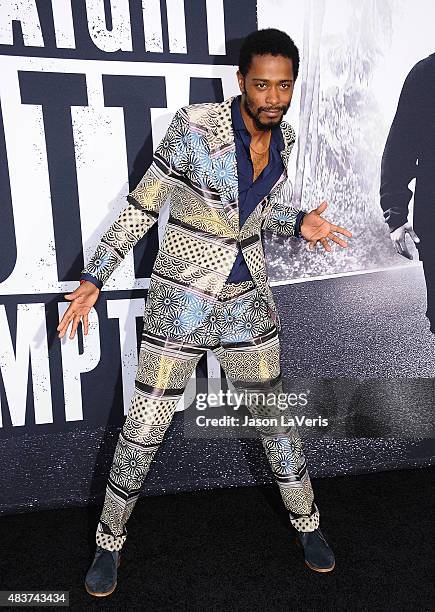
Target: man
{"type": "Point", "coordinates": [411, 139]}
{"type": "Point", "coordinates": [225, 167]}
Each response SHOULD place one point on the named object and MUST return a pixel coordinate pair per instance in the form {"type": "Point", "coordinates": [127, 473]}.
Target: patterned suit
{"type": "Point", "coordinates": [190, 308]}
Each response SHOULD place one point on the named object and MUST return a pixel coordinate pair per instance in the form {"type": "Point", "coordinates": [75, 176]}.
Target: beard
{"type": "Point", "coordinates": [255, 113]}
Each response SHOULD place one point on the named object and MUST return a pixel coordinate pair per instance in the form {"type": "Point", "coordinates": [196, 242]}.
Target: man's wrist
{"type": "Point", "coordinates": [92, 279]}
{"type": "Point", "coordinates": [298, 223]}
{"type": "Point", "coordinates": [86, 281]}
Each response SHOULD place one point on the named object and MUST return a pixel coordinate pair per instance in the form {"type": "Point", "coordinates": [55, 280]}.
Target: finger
{"type": "Point", "coordinates": [414, 236]}
{"type": "Point", "coordinates": [311, 245]}
{"type": "Point", "coordinates": [61, 323]}
{"type": "Point", "coordinates": [341, 230]}
{"type": "Point", "coordinates": [338, 240]}
{"type": "Point", "coordinates": [65, 320]}
{"type": "Point", "coordinates": [71, 296]}
{"type": "Point", "coordinates": [85, 324]}
{"type": "Point", "coordinates": [323, 206]}
{"type": "Point", "coordinates": [325, 244]}
{"type": "Point", "coordinates": [75, 298]}
{"type": "Point", "coordinates": [65, 327]}
{"type": "Point", "coordinates": [74, 326]}
{"type": "Point", "coordinates": [75, 294]}
{"type": "Point", "coordinates": [67, 315]}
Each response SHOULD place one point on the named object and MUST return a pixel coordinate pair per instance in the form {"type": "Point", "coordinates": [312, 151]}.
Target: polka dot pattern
{"type": "Point", "coordinates": [306, 523]}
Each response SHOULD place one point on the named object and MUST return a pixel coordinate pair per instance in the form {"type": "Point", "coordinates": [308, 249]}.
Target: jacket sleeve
{"type": "Point", "coordinates": [301, 214]}
{"type": "Point", "coordinates": [144, 203]}
{"type": "Point", "coordinates": [283, 218]}
{"type": "Point", "coordinates": [399, 159]}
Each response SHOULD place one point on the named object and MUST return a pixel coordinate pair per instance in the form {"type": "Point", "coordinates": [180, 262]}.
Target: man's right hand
{"type": "Point", "coordinates": [398, 236]}
{"type": "Point", "coordinates": [83, 299]}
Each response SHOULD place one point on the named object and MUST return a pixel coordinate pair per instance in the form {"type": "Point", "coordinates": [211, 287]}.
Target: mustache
{"type": "Point", "coordinates": [281, 108]}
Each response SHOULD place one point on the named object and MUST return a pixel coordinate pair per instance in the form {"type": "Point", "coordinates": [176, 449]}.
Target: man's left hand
{"type": "Point", "coordinates": [316, 229]}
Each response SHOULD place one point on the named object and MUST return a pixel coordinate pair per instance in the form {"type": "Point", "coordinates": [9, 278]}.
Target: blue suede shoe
{"type": "Point", "coordinates": [102, 575]}
{"type": "Point", "coordinates": [318, 555]}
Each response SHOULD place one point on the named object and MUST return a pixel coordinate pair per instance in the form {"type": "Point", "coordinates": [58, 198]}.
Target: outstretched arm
{"type": "Point", "coordinates": [286, 220]}
{"type": "Point", "coordinates": [140, 214]}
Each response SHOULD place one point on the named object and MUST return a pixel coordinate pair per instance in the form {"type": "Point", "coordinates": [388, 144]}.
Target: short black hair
{"type": "Point", "coordinates": [268, 41]}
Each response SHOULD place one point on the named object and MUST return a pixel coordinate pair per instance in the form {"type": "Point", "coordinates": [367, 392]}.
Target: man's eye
{"type": "Point", "coordinates": [261, 84]}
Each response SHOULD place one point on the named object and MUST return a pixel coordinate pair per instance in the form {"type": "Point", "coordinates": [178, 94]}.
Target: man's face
{"type": "Point", "coordinates": [267, 89]}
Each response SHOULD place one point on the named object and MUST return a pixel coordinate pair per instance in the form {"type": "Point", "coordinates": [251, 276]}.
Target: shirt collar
{"type": "Point", "coordinates": [238, 124]}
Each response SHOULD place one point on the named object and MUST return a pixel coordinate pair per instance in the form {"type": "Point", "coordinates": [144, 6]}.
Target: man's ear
{"type": "Point", "coordinates": [241, 80]}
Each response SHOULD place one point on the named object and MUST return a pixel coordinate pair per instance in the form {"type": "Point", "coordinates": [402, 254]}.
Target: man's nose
{"type": "Point", "coordinates": [272, 98]}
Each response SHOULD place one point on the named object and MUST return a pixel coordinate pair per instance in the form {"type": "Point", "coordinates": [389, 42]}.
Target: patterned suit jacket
{"type": "Point", "coordinates": [195, 164]}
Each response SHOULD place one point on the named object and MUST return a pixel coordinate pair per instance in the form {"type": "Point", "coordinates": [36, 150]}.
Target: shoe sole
{"type": "Point", "coordinates": [98, 594]}
{"type": "Point", "coordinates": [320, 569]}
{"type": "Point", "coordinates": [313, 567]}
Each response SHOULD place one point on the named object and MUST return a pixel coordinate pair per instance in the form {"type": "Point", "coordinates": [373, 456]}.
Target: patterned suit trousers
{"type": "Point", "coordinates": [245, 340]}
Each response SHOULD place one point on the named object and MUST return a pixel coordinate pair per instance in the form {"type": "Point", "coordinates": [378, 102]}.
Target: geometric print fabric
{"type": "Point", "coordinates": [194, 167]}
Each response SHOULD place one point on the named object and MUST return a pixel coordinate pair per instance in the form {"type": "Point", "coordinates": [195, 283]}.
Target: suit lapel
{"type": "Point", "coordinates": [289, 140]}
{"type": "Point", "coordinates": [220, 138]}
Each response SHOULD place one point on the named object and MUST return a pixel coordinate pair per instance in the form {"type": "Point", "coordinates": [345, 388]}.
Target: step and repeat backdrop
{"type": "Point", "coordinates": [87, 90]}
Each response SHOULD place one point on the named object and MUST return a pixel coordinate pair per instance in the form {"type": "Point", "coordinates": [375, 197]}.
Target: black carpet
{"type": "Point", "coordinates": [232, 549]}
